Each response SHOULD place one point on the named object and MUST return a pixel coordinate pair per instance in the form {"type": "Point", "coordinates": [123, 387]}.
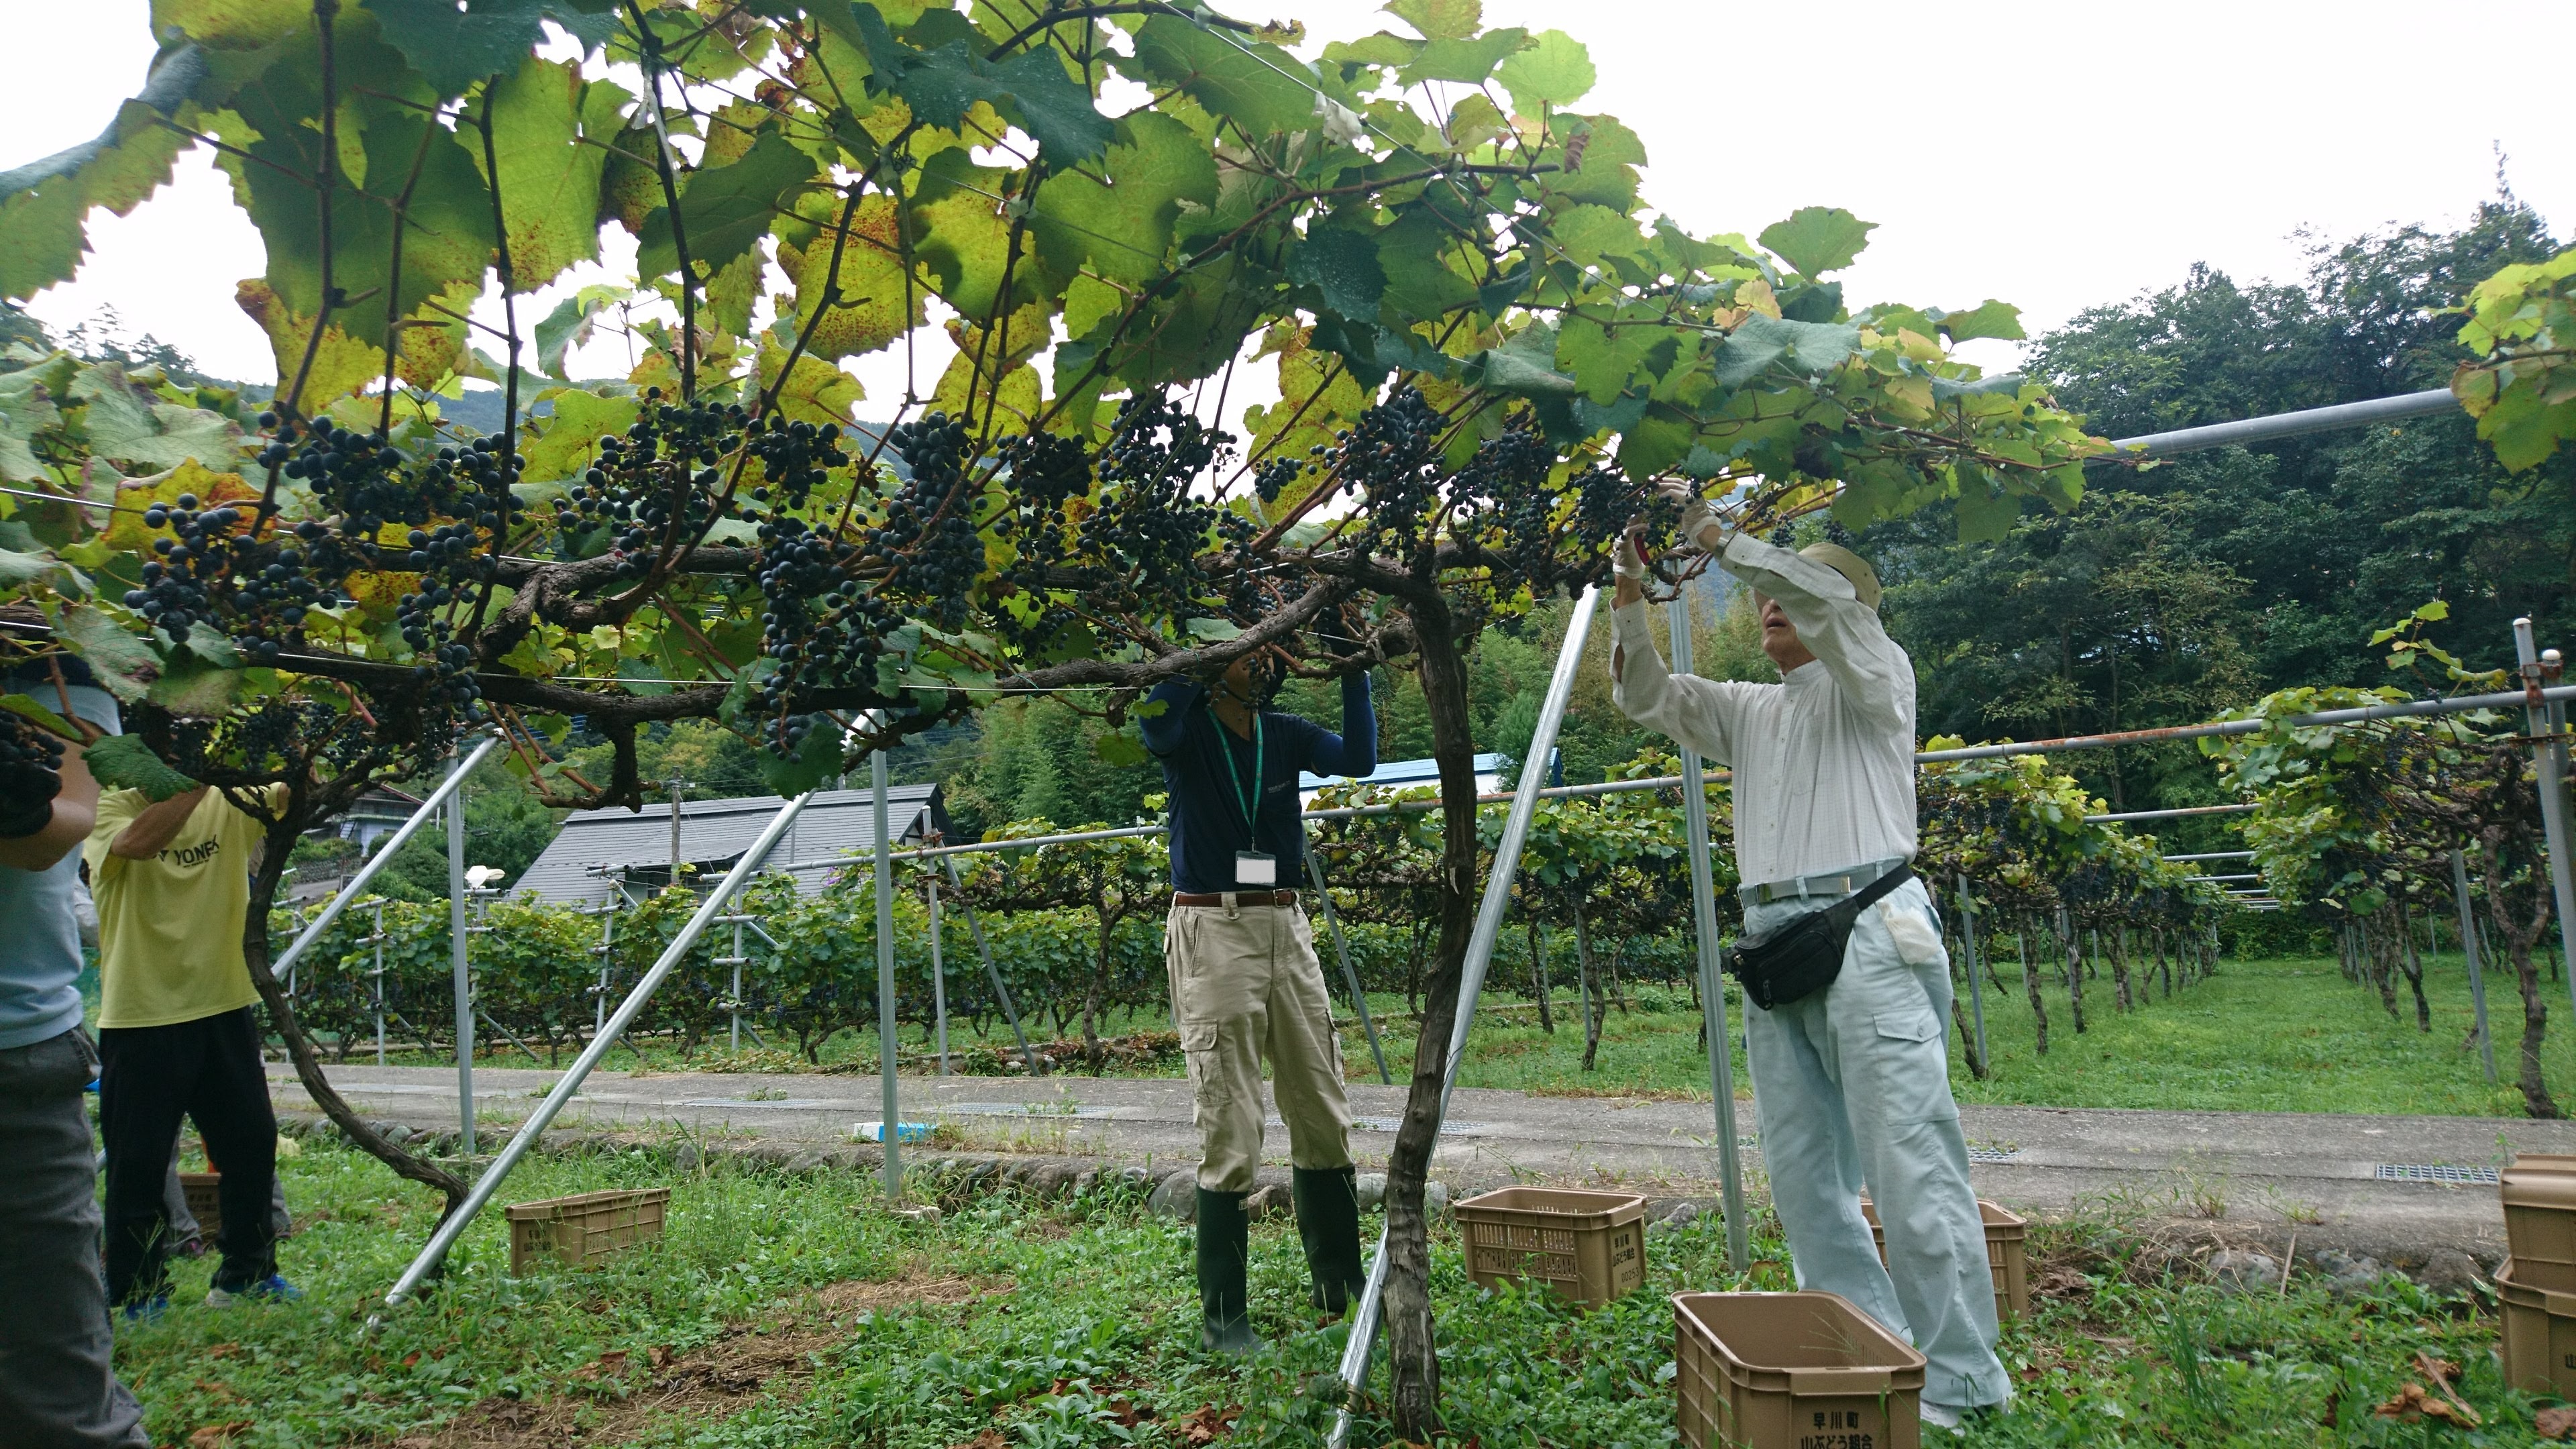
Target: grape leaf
{"type": "Point", "coordinates": [960, 233]}
{"type": "Point", "coordinates": [1761, 341]}
{"type": "Point", "coordinates": [25, 408]}
{"type": "Point", "coordinates": [941, 85]}
{"type": "Point", "coordinates": [191, 686]}
{"type": "Point", "coordinates": [549, 178]}
{"type": "Point", "coordinates": [454, 48]}
{"type": "Point", "coordinates": [1260, 88]}
{"type": "Point", "coordinates": [1440, 19]}
{"type": "Point", "coordinates": [26, 707]}
{"type": "Point", "coordinates": [130, 423]}
{"type": "Point", "coordinates": [1556, 70]}
{"type": "Point", "coordinates": [725, 210]}
{"type": "Point", "coordinates": [1343, 264]}
{"type": "Point", "coordinates": [868, 311]}
{"type": "Point", "coordinates": [1994, 319]}
{"type": "Point", "coordinates": [1818, 239]}
{"type": "Point", "coordinates": [818, 758]}
{"type": "Point", "coordinates": [1125, 227]}
{"type": "Point", "coordinates": [1468, 62]}
{"type": "Point", "coordinates": [571, 441]}
{"type": "Point", "coordinates": [124, 762]}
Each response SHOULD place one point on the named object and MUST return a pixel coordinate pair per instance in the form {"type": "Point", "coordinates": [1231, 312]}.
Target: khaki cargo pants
{"type": "Point", "coordinates": [1245, 985]}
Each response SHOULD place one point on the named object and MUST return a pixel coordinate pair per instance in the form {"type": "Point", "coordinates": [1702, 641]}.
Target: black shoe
{"type": "Point", "coordinates": [1225, 1257]}
{"type": "Point", "coordinates": [1328, 1219]}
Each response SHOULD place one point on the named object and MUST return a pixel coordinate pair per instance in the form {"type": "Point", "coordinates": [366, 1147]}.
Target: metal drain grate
{"type": "Point", "coordinates": [1994, 1154]}
{"type": "Point", "coordinates": [2435, 1172]}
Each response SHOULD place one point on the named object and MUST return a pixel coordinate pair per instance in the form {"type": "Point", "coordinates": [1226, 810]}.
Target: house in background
{"type": "Point", "coordinates": [379, 813]}
{"type": "Point", "coordinates": [601, 852]}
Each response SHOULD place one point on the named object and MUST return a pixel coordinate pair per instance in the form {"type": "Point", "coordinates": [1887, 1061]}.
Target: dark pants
{"type": "Point", "coordinates": [209, 1071]}
{"type": "Point", "coordinates": [57, 1387]}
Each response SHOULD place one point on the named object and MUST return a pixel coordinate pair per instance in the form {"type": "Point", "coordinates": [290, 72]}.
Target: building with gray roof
{"type": "Point", "coordinates": [603, 851]}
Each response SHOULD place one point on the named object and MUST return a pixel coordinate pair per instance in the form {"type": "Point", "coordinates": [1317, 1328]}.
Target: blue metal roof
{"type": "Point", "coordinates": [1398, 774]}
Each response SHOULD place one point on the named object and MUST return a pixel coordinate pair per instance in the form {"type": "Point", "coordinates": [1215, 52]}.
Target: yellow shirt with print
{"type": "Point", "coordinates": [170, 928]}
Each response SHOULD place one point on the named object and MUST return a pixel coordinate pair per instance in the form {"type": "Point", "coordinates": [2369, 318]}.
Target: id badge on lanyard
{"type": "Point", "coordinates": [1251, 867]}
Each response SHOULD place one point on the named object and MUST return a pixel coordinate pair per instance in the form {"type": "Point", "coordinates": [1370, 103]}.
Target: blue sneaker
{"type": "Point", "coordinates": [272, 1288]}
{"type": "Point", "coordinates": [147, 1310]}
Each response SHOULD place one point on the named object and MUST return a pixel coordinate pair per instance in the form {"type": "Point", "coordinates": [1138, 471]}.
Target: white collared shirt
{"type": "Point", "coordinates": [1823, 760]}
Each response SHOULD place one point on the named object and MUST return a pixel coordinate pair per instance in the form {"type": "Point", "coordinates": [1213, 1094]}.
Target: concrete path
{"type": "Point", "coordinates": [2396, 1187]}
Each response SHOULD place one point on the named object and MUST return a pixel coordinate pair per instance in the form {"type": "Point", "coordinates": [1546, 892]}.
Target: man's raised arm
{"type": "Point", "coordinates": [1164, 729]}
{"type": "Point", "coordinates": [1353, 752]}
{"type": "Point", "coordinates": [1833, 623]}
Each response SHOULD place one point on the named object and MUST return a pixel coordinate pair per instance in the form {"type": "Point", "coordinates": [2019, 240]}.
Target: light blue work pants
{"type": "Point", "coordinates": [1852, 1088]}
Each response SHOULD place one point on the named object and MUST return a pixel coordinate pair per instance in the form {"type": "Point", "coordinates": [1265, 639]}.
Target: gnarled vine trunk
{"type": "Point", "coordinates": [281, 839]}
{"type": "Point", "coordinates": [1413, 1364]}
{"type": "Point", "coordinates": [2030, 986]}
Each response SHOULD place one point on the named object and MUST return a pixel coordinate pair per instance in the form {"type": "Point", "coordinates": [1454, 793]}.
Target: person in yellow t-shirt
{"type": "Point", "coordinates": [179, 1034]}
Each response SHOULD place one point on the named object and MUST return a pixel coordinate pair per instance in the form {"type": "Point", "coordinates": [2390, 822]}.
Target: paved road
{"type": "Point", "coordinates": [2263, 1173]}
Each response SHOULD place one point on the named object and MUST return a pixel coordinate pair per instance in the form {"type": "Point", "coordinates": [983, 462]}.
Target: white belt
{"type": "Point", "coordinates": [1832, 884]}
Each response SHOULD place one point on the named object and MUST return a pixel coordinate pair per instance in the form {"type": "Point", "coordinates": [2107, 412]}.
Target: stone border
{"type": "Point", "coordinates": [2236, 1258]}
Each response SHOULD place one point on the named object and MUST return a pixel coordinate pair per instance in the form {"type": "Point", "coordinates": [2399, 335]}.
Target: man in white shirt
{"type": "Point", "coordinates": [1851, 1082]}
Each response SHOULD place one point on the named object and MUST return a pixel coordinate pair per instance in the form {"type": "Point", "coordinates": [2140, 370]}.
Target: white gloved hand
{"type": "Point", "coordinates": [1624, 562]}
{"type": "Point", "coordinates": [1699, 522]}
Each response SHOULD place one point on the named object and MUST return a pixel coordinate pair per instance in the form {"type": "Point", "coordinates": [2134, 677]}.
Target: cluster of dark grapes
{"type": "Point", "coordinates": [1390, 454]}
{"type": "Point", "coordinates": [274, 734]}
{"type": "Point", "coordinates": [178, 586]}
{"type": "Point", "coordinates": [1046, 473]}
{"type": "Point", "coordinates": [1147, 533]}
{"type": "Point", "coordinates": [31, 763]}
{"type": "Point", "coordinates": [259, 586]}
{"type": "Point", "coordinates": [661, 480]}
{"type": "Point", "coordinates": [928, 542]}
{"type": "Point", "coordinates": [822, 627]}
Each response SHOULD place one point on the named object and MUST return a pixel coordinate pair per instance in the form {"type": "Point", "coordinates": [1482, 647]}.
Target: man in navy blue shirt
{"type": "Point", "coordinates": [1245, 981]}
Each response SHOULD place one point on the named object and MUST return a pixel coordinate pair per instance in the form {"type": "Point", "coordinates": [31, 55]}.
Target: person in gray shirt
{"type": "Point", "coordinates": [58, 1389]}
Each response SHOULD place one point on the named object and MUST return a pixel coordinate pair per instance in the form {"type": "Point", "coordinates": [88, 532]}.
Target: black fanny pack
{"type": "Point", "coordinates": [1802, 957]}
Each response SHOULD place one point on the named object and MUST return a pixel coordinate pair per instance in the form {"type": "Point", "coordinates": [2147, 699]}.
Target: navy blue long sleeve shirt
{"type": "Point", "coordinates": [1206, 812]}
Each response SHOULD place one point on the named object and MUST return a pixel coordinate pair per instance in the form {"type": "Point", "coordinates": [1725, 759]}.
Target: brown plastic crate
{"type": "Point", "coordinates": [204, 1192]}
{"type": "Point", "coordinates": [2007, 1253]}
{"type": "Point", "coordinates": [2539, 1335]}
{"type": "Point", "coordinates": [583, 1229]}
{"type": "Point", "coordinates": [1588, 1246]}
{"type": "Point", "coordinates": [2539, 1192]}
{"type": "Point", "coordinates": [1792, 1371]}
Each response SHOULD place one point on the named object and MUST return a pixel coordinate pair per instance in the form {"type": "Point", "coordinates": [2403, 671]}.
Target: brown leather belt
{"type": "Point", "coordinates": [1241, 898]}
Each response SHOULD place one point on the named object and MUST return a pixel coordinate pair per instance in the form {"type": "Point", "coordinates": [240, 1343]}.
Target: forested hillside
{"type": "Point", "coordinates": [2186, 588]}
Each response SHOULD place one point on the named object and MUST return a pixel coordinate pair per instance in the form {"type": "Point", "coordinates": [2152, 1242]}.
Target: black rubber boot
{"type": "Point", "coordinates": [1328, 1219]}
{"type": "Point", "coordinates": [1225, 1256]}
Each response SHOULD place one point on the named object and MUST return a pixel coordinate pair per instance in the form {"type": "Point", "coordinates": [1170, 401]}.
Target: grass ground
{"type": "Point", "coordinates": [2261, 1036]}
{"type": "Point", "coordinates": [783, 1312]}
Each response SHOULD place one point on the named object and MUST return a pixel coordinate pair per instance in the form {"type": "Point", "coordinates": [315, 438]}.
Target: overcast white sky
{"type": "Point", "coordinates": [2055, 155]}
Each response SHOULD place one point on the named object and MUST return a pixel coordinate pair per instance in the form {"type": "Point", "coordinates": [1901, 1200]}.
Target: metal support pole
{"type": "Point", "coordinates": [2548, 721]}
{"type": "Point", "coordinates": [1976, 981]}
{"type": "Point", "coordinates": [525, 1138]}
{"type": "Point", "coordinates": [892, 1128]}
{"type": "Point", "coordinates": [1350, 974]}
{"type": "Point", "coordinates": [2469, 948]}
{"type": "Point", "coordinates": [993, 977]}
{"type": "Point", "coordinates": [377, 940]}
{"type": "Point", "coordinates": [733, 1002]}
{"type": "Point", "coordinates": [1712, 983]}
{"type": "Point", "coordinates": [1365, 1314]}
{"type": "Point", "coordinates": [456, 929]}
{"type": "Point", "coordinates": [357, 884]}
{"type": "Point", "coordinates": [677, 785]}
{"type": "Point", "coordinates": [938, 972]}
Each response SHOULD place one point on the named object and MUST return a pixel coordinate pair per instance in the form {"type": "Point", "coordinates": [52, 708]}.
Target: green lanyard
{"type": "Point", "coordinates": [1250, 801]}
